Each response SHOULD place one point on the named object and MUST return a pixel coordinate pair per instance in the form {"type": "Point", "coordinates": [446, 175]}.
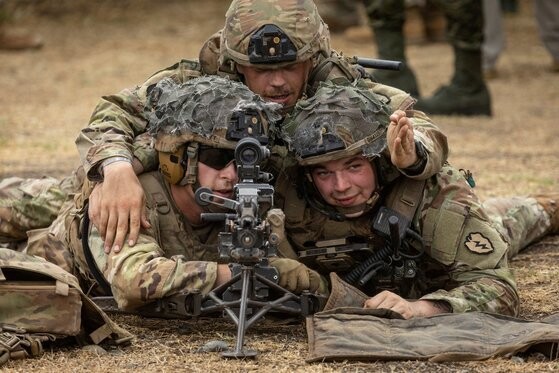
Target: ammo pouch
{"type": "Point", "coordinates": [40, 302]}
{"type": "Point", "coordinates": [347, 331]}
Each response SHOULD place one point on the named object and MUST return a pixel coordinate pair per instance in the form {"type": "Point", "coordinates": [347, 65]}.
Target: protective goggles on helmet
{"type": "Point", "coordinates": [271, 45]}
{"type": "Point", "coordinates": [215, 158]}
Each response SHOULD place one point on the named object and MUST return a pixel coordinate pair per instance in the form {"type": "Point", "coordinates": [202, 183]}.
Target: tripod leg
{"type": "Point", "coordinates": [239, 352]}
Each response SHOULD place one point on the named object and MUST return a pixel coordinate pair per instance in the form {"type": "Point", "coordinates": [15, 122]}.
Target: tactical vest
{"type": "Point", "coordinates": [174, 234]}
{"type": "Point", "coordinates": [305, 225]}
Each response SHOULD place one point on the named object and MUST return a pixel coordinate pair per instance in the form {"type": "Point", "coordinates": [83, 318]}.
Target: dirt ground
{"type": "Point", "coordinates": [97, 48]}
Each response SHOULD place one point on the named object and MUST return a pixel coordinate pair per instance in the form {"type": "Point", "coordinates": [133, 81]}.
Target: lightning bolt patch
{"type": "Point", "coordinates": [478, 243]}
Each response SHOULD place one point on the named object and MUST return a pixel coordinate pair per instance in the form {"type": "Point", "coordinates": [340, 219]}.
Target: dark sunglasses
{"type": "Point", "coordinates": [214, 157]}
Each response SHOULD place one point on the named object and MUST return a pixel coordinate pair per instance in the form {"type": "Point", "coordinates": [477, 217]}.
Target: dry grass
{"type": "Point", "coordinates": [97, 48]}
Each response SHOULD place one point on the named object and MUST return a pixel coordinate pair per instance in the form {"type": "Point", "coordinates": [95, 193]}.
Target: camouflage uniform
{"type": "Point", "coordinates": [172, 256]}
{"type": "Point", "coordinates": [465, 242]}
{"type": "Point", "coordinates": [467, 93]}
{"type": "Point", "coordinates": [29, 207]}
{"type": "Point", "coordinates": [117, 119]}
{"type": "Point", "coordinates": [29, 204]}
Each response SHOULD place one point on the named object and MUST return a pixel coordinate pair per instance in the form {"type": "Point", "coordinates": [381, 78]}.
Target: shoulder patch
{"type": "Point", "coordinates": [478, 243]}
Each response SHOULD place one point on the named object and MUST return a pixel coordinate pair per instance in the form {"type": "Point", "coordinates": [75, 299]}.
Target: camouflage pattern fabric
{"type": "Point", "coordinates": [28, 207]}
{"type": "Point", "coordinates": [30, 204]}
{"type": "Point", "coordinates": [40, 302]}
{"type": "Point", "coordinates": [118, 118]}
{"type": "Point", "coordinates": [298, 19]}
{"type": "Point", "coordinates": [464, 19]}
{"type": "Point", "coordinates": [466, 251]}
{"type": "Point", "coordinates": [170, 258]}
{"type": "Point", "coordinates": [51, 307]}
{"type": "Point", "coordinates": [522, 219]}
{"type": "Point", "coordinates": [173, 256]}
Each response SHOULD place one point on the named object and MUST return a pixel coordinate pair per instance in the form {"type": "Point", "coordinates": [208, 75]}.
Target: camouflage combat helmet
{"type": "Point", "coordinates": [273, 33]}
{"type": "Point", "coordinates": [209, 112]}
{"type": "Point", "coordinates": [337, 122]}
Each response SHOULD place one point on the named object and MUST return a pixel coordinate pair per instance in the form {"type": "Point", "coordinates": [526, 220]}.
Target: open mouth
{"type": "Point", "coordinates": [280, 99]}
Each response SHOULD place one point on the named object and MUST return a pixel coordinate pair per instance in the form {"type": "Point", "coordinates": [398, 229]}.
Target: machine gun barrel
{"type": "Point", "coordinates": [374, 63]}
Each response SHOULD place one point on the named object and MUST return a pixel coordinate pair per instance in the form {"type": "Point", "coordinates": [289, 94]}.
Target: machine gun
{"type": "Point", "coordinates": [247, 242]}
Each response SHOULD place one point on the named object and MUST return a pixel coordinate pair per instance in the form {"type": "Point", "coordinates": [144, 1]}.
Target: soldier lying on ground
{"type": "Point", "coordinates": [449, 250]}
{"type": "Point", "coordinates": [119, 120]}
{"type": "Point", "coordinates": [281, 50]}
{"type": "Point", "coordinates": [189, 122]}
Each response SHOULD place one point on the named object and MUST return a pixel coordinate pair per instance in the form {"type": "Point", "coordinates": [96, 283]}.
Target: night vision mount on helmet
{"type": "Point", "coordinates": [273, 32]}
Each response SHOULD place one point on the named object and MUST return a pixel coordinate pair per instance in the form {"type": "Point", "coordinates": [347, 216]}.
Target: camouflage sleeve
{"type": "Point", "coordinates": [142, 274]}
{"type": "Point", "coordinates": [145, 152]}
{"type": "Point", "coordinates": [434, 142]}
{"type": "Point", "coordinates": [426, 132]}
{"type": "Point", "coordinates": [490, 290]}
{"type": "Point", "coordinates": [118, 119]}
{"type": "Point", "coordinates": [469, 247]}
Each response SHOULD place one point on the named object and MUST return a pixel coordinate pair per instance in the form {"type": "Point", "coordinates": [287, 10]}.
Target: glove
{"type": "Point", "coordinates": [296, 277]}
{"type": "Point", "coordinates": [276, 219]}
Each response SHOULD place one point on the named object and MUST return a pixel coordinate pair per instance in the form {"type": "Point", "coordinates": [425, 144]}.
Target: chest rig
{"type": "Point", "coordinates": [378, 251]}
{"type": "Point", "coordinates": [174, 235]}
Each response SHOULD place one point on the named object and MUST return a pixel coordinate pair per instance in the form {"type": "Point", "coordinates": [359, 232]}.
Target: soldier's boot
{"type": "Point", "coordinates": [467, 93]}
{"type": "Point", "coordinates": [339, 15]}
{"type": "Point", "coordinates": [390, 45]}
{"type": "Point", "coordinates": [16, 39]}
{"type": "Point", "coordinates": [550, 203]}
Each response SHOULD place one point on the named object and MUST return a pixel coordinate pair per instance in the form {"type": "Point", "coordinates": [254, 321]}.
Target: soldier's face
{"type": "Point", "coordinates": [284, 85]}
{"type": "Point", "coordinates": [346, 182]}
{"type": "Point", "coordinates": [220, 181]}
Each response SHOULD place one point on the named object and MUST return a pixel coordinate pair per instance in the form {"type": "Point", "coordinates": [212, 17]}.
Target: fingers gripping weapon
{"type": "Point", "coordinates": [247, 243]}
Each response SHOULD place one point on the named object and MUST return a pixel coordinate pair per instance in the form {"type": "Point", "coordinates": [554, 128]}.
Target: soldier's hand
{"type": "Point", "coordinates": [276, 219]}
{"type": "Point", "coordinates": [296, 277]}
{"type": "Point", "coordinates": [408, 309]}
{"type": "Point", "coordinates": [401, 141]}
{"type": "Point", "coordinates": [117, 205]}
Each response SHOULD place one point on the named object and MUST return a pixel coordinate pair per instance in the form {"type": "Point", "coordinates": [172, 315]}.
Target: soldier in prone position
{"type": "Point", "coordinates": [280, 49]}
{"type": "Point", "coordinates": [190, 125]}
{"type": "Point", "coordinates": [395, 238]}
